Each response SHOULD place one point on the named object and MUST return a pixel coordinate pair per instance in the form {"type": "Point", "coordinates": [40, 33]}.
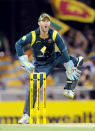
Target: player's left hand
{"type": "Point", "coordinates": [71, 71]}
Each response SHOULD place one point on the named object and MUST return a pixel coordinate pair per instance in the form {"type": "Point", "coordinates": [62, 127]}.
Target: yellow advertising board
{"type": "Point", "coordinates": [57, 111]}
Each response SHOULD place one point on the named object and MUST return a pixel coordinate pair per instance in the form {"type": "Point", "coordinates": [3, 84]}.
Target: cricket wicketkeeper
{"type": "Point", "coordinates": [43, 40]}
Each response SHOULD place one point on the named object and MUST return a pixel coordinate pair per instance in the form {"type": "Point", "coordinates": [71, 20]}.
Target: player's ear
{"type": "Point", "coordinates": [39, 23]}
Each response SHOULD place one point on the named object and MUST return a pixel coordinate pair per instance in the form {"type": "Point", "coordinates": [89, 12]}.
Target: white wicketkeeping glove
{"type": "Point", "coordinates": [71, 71]}
{"type": "Point", "coordinates": [29, 67]}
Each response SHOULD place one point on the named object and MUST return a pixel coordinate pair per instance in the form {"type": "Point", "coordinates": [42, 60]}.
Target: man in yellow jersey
{"type": "Point", "coordinates": [43, 40]}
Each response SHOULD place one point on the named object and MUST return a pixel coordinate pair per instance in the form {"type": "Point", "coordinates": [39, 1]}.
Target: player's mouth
{"type": "Point", "coordinates": [46, 27]}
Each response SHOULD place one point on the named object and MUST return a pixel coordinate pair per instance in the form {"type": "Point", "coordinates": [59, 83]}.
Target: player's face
{"type": "Point", "coordinates": [44, 24]}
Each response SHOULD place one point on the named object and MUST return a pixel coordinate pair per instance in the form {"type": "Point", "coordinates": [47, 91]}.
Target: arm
{"type": "Point", "coordinates": [21, 43]}
{"type": "Point", "coordinates": [71, 71]}
{"type": "Point", "coordinates": [63, 49]}
{"type": "Point", "coordinates": [20, 52]}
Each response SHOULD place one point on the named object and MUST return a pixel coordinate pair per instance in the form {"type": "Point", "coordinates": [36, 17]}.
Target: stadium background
{"type": "Point", "coordinates": [18, 17]}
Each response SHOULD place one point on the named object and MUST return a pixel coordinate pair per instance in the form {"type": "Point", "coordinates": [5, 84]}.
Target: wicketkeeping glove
{"type": "Point", "coordinates": [71, 71]}
{"type": "Point", "coordinates": [29, 67]}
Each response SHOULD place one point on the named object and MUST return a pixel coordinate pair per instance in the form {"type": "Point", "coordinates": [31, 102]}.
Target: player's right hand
{"type": "Point", "coordinates": [71, 71]}
{"type": "Point", "coordinates": [29, 67]}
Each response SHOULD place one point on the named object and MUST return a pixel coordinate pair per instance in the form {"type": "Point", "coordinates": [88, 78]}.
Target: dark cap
{"type": "Point", "coordinates": [42, 16]}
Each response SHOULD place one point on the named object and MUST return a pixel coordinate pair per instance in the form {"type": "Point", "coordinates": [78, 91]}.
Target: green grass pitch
{"type": "Point", "coordinates": [48, 127]}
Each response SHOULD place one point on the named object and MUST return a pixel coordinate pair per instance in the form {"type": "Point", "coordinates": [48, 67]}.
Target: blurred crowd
{"type": "Point", "coordinates": [78, 43]}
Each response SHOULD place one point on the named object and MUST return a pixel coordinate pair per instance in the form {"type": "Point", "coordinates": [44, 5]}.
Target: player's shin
{"type": "Point", "coordinates": [70, 85]}
{"type": "Point", "coordinates": [68, 91]}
